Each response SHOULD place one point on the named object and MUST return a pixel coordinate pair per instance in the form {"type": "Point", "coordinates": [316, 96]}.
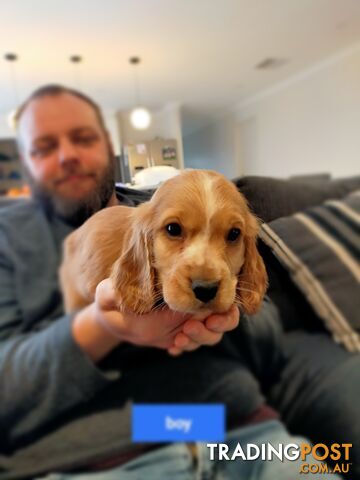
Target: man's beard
{"type": "Point", "coordinates": [75, 211]}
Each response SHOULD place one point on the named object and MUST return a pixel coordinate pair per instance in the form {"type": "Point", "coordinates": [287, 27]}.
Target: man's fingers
{"type": "Point", "coordinates": [224, 322]}
{"type": "Point", "coordinates": [174, 351]}
{"type": "Point", "coordinates": [199, 333]}
{"type": "Point", "coordinates": [182, 343]}
{"type": "Point", "coordinates": [195, 333]}
{"type": "Point", "coordinates": [181, 340]}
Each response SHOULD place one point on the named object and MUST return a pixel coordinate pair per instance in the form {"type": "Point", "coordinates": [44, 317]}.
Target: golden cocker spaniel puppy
{"type": "Point", "coordinates": [192, 247]}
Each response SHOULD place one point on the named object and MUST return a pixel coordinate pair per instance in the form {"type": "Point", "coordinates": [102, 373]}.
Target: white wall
{"type": "Point", "coordinates": [113, 128]}
{"type": "Point", "coordinates": [214, 147]}
{"type": "Point", "coordinates": [5, 130]}
{"type": "Point", "coordinates": [309, 124]}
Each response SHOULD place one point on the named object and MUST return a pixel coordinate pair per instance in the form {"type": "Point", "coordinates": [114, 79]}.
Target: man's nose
{"type": "Point", "coordinates": [204, 291]}
{"type": "Point", "coordinates": [67, 152]}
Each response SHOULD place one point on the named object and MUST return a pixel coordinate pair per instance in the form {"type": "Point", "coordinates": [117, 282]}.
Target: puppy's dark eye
{"type": "Point", "coordinates": [173, 229]}
{"type": "Point", "coordinates": [233, 235]}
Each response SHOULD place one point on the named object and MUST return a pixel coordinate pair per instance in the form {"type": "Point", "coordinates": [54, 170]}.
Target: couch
{"type": "Point", "coordinates": [319, 389]}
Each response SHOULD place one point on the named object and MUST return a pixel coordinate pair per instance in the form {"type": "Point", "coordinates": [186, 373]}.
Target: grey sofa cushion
{"type": "Point", "coordinates": [320, 247]}
{"type": "Point", "coordinates": [271, 198]}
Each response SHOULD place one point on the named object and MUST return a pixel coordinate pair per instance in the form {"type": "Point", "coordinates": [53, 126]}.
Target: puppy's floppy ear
{"type": "Point", "coordinates": [252, 279]}
{"type": "Point", "coordinates": [132, 274]}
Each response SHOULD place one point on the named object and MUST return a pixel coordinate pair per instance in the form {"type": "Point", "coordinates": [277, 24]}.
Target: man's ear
{"type": "Point", "coordinates": [252, 279]}
{"type": "Point", "coordinates": [133, 274]}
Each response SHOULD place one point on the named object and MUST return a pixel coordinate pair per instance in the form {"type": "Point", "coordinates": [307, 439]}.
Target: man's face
{"type": "Point", "coordinates": [67, 156]}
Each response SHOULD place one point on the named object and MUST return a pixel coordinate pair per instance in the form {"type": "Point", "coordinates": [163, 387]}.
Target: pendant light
{"type": "Point", "coordinates": [11, 58]}
{"type": "Point", "coordinates": [140, 116]}
{"type": "Point", "coordinates": [76, 60]}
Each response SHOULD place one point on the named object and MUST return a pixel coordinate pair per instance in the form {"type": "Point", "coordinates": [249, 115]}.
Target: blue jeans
{"type": "Point", "coordinates": [175, 462]}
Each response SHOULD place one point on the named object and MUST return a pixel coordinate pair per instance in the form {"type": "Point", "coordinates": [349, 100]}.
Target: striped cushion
{"type": "Point", "coordinates": [321, 249]}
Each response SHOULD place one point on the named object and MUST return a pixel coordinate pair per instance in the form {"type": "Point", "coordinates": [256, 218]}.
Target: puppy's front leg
{"type": "Point", "coordinates": [69, 279]}
{"type": "Point", "coordinates": [89, 254]}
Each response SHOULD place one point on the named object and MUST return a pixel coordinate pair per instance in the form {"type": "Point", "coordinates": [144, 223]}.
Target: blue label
{"type": "Point", "coordinates": [178, 423]}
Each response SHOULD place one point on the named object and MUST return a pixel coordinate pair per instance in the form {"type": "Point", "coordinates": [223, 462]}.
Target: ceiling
{"type": "Point", "coordinates": [199, 53]}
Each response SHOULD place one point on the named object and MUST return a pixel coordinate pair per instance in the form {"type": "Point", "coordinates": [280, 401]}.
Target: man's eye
{"type": "Point", "coordinates": [86, 140]}
{"type": "Point", "coordinates": [41, 151]}
{"type": "Point", "coordinates": [173, 229]}
{"type": "Point", "coordinates": [233, 235]}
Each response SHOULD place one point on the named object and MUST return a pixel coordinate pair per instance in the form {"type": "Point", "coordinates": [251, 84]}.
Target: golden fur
{"type": "Point", "coordinates": [146, 264]}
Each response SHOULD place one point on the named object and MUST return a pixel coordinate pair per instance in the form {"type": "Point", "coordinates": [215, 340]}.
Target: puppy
{"type": "Point", "coordinates": [192, 247]}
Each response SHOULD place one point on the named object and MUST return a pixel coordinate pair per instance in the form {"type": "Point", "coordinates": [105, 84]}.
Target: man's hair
{"type": "Point", "coordinates": [55, 90]}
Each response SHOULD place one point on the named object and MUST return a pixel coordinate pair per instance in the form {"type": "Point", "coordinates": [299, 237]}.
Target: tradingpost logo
{"type": "Point", "coordinates": [313, 458]}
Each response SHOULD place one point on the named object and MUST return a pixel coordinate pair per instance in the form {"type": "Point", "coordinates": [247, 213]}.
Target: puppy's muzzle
{"type": "Point", "coordinates": [204, 291]}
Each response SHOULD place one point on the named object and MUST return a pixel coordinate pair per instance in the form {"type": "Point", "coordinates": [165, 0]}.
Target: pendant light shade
{"type": "Point", "coordinates": [140, 117]}
{"type": "Point", "coordinates": [76, 61]}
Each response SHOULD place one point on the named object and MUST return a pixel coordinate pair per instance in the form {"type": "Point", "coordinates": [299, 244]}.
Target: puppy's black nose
{"type": "Point", "coordinates": [204, 291]}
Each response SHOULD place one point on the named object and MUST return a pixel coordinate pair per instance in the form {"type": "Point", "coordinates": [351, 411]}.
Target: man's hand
{"type": "Point", "coordinates": [209, 332]}
{"type": "Point", "coordinates": [157, 328]}
{"type": "Point", "coordinates": [100, 327]}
